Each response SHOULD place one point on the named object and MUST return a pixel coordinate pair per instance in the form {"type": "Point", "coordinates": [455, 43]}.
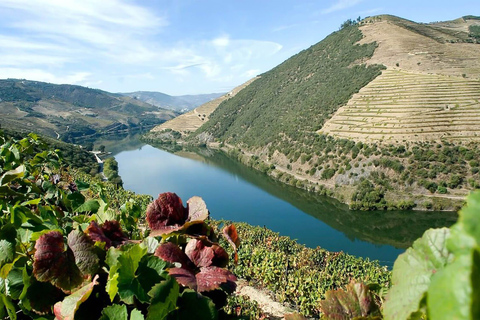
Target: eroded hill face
{"type": "Point", "coordinates": [192, 120]}
{"type": "Point", "coordinates": [430, 90]}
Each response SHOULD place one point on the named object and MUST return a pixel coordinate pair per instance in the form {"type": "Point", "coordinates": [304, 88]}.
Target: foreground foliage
{"type": "Point", "coordinates": [66, 253]}
{"type": "Point", "coordinates": [439, 275]}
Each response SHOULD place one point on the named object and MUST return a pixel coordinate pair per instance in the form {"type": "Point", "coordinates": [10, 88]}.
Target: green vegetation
{"type": "Point", "coordinates": [288, 104]}
{"type": "Point", "coordinates": [110, 169]}
{"type": "Point", "coordinates": [298, 275]}
{"type": "Point", "coordinates": [82, 249]}
{"type": "Point", "coordinates": [73, 156]}
{"type": "Point", "coordinates": [475, 32]}
{"type": "Point", "coordinates": [73, 113]}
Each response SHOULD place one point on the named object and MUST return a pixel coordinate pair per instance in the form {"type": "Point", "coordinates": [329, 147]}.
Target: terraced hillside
{"type": "Point", "coordinates": [192, 120]}
{"type": "Point", "coordinates": [401, 106]}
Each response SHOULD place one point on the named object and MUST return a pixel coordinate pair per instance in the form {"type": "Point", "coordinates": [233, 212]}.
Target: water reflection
{"type": "Point", "coordinates": [235, 192]}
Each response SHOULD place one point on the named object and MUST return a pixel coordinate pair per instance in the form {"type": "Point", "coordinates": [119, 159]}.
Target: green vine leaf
{"type": "Point", "coordinates": [115, 312]}
{"type": "Point", "coordinates": [455, 291]}
{"type": "Point", "coordinates": [7, 251]}
{"type": "Point", "coordinates": [412, 273]}
{"type": "Point", "coordinates": [66, 309]}
{"type": "Point", "coordinates": [84, 252]}
{"type": "Point", "coordinates": [195, 306]}
{"type": "Point", "coordinates": [164, 299]}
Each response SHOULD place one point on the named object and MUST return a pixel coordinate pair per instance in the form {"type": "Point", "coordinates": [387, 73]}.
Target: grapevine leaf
{"type": "Point", "coordinates": [412, 273]}
{"type": "Point", "coordinates": [197, 209]}
{"type": "Point", "coordinates": [113, 231]}
{"type": "Point", "coordinates": [230, 233]}
{"type": "Point", "coordinates": [355, 301]}
{"type": "Point", "coordinates": [454, 291]}
{"type": "Point", "coordinates": [52, 263]}
{"type": "Point", "coordinates": [199, 254]}
{"type": "Point", "coordinates": [84, 252]}
{"type": "Point", "coordinates": [15, 283]}
{"type": "Point", "coordinates": [166, 214]}
{"type": "Point", "coordinates": [185, 277]}
{"type": "Point", "coordinates": [150, 271]}
{"type": "Point", "coordinates": [164, 299]}
{"type": "Point", "coordinates": [128, 283]}
{"type": "Point", "coordinates": [151, 244]}
{"type": "Point", "coordinates": [110, 232]}
{"type": "Point", "coordinates": [172, 253]}
{"type": "Point", "coordinates": [10, 175]}
{"type": "Point", "coordinates": [115, 312]}
{"type": "Point", "coordinates": [136, 315]}
{"type": "Point", "coordinates": [89, 206]}
{"type": "Point", "coordinates": [66, 309]}
{"type": "Point", "coordinates": [10, 306]}
{"type": "Point", "coordinates": [41, 296]}
{"type": "Point", "coordinates": [195, 306]}
{"type": "Point", "coordinates": [211, 278]}
{"type": "Point", "coordinates": [7, 251]}
{"type": "Point", "coordinates": [96, 234]}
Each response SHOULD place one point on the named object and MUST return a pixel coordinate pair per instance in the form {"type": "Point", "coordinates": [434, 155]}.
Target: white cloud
{"type": "Point", "coordinates": [41, 75]}
{"type": "Point", "coordinates": [221, 41]}
{"type": "Point", "coordinates": [340, 5]}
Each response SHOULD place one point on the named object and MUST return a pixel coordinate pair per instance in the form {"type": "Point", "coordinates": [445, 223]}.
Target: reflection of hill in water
{"type": "Point", "coordinates": [118, 143]}
{"type": "Point", "coordinates": [396, 228]}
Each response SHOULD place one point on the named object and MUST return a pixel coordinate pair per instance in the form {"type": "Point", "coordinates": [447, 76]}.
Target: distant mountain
{"type": "Point", "coordinates": [177, 103]}
{"type": "Point", "coordinates": [73, 113]}
{"type": "Point", "coordinates": [383, 113]}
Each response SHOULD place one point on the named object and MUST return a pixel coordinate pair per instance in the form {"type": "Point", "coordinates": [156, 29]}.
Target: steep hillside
{"type": "Point", "coordinates": [191, 121]}
{"type": "Point", "coordinates": [177, 103]}
{"type": "Point", "coordinates": [381, 114]}
{"type": "Point", "coordinates": [72, 113]}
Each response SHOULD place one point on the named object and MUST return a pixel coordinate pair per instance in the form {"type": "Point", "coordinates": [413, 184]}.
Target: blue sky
{"type": "Point", "coordinates": [178, 46]}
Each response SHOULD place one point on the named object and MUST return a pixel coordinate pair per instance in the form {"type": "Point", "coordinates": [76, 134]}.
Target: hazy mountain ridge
{"type": "Point", "coordinates": [178, 103]}
{"type": "Point", "coordinates": [71, 112]}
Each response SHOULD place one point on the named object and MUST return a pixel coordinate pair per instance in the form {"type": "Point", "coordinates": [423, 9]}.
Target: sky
{"type": "Point", "coordinates": [178, 46]}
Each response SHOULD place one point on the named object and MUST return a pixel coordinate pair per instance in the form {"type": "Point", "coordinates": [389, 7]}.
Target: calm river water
{"type": "Point", "coordinates": [235, 192]}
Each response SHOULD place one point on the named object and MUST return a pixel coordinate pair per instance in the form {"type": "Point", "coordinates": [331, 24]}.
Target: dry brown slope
{"type": "Point", "coordinates": [430, 90]}
{"type": "Point", "coordinates": [192, 120]}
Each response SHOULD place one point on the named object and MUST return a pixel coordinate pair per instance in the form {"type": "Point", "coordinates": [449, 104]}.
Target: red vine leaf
{"type": "Point", "coordinates": [113, 231]}
{"type": "Point", "coordinates": [110, 232]}
{"type": "Point", "coordinates": [199, 270]}
{"type": "Point", "coordinates": [52, 263]}
{"type": "Point", "coordinates": [211, 278]}
{"type": "Point", "coordinates": [185, 277]}
{"type": "Point", "coordinates": [199, 254]}
{"type": "Point", "coordinates": [230, 233]}
{"type": "Point", "coordinates": [96, 234]}
{"type": "Point", "coordinates": [166, 213]}
{"type": "Point", "coordinates": [172, 253]}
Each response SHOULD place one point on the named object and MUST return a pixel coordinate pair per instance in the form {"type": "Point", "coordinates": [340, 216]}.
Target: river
{"type": "Point", "coordinates": [235, 192]}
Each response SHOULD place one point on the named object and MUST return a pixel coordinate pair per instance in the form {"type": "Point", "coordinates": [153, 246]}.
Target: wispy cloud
{"type": "Point", "coordinates": [340, 5]}
{"type": "Point", "coordinates": [97, 42]}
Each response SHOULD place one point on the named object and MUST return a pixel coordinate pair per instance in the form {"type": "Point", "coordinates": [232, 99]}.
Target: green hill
{"type": "Point", "coordinates": [73, 113]}
{"type": "Point", "coordinates": [294, 122]}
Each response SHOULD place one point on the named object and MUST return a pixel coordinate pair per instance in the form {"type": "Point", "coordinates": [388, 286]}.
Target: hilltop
{"type": "Point", "coordinates": [177, 103]}
{"type": "Point", "coordinates": [192, 120]}
{"type": "Point", "coordinates": [383, 113]}
{"type": "Point", "coordinates": [73, 113]}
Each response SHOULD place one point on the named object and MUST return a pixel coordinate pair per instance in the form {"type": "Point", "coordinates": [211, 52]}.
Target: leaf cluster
{"type": "Point", "coordinates": [66, 252]}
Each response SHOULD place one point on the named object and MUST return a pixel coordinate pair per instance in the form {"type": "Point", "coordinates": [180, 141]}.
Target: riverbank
{"type": "Point", "coordinates": [385, 193]}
